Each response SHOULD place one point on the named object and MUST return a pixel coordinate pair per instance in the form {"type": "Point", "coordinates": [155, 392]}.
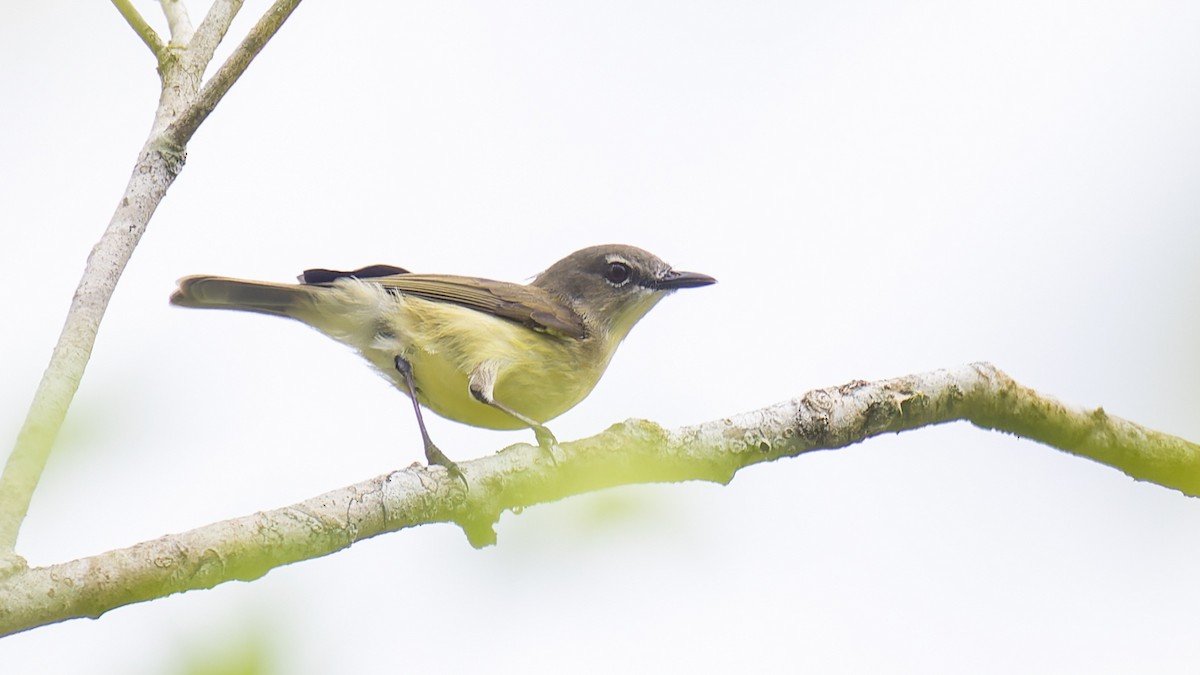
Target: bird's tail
{"type": "Point", "coordinates": [263, 297]}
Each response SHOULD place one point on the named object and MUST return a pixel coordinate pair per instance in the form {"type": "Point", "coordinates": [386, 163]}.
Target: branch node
{"type": "Point", "coordinates": [11, 564]}
{"type": "Point", "coordinates": [480, 533]}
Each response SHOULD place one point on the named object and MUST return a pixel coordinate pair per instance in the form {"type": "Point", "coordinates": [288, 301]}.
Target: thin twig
{"type": "Point", "coordinates": [178, 21]}
{"type": "Point", "coordinates": [139, 25]}
{"type": "Point", "coordinates": [185, 125]}
{"type": "Point", "coordinates": [633, 452]}
{"type": "Point", "coordinates": [212, 30]}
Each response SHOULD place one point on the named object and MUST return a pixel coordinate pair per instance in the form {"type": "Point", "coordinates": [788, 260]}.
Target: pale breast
{"type": "Point", "coordinates": [539, 375]}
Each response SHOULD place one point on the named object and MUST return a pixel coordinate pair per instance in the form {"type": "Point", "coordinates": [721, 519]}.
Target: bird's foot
{"type": "Point", "coordinates": [548, 443]}
{"type": "Point", "coordinates": [435, 456]}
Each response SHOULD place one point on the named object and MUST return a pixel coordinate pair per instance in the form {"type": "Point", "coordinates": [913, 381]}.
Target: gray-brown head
{"type": "Point", "coordinates": [614, 285]}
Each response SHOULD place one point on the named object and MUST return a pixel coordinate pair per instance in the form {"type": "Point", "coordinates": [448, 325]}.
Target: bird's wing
{"type": "Point", "coordinates": [527, 305]}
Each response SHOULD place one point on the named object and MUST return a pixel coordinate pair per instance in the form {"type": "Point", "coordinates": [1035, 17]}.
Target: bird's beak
{"type": "Point", "coordinates": [673, 280]}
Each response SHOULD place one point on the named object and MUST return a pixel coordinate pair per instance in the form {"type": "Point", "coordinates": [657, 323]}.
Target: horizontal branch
{"type": "Point", "coordinates": [628, 453]}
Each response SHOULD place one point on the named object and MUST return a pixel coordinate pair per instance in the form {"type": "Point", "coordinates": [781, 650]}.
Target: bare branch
{"type": "Point", "coordinates": [212, 30]}
{"type": "Point", "coordinates": [158, 164]}
{"type": "Point", "coordinates": [177, 21]}
{"type": "Point", "coordinates": [154, 171]}
{"type": "Point", "coordinates": [185, 125]}
{"type": "Point", "coordinates": [632, 452]}
{"type": "Point", "coordinates": [139, 25]}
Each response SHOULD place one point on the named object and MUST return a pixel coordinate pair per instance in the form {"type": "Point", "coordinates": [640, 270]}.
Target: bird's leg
{"type": "Point", "coordinates": [481, 385]}
{"type": "Point", "coordinates": [432, 454]}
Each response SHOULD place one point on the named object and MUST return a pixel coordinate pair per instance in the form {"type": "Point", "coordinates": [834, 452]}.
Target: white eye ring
{"type": "Point", "coordinates": [618, 273]}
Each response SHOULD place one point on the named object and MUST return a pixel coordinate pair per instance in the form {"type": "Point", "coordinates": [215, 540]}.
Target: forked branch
{"type": "Point", "coordinates": [183, 105]}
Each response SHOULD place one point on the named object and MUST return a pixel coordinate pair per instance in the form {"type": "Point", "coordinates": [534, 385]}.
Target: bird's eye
{"type": "Point", "coordinates": [617, 273]}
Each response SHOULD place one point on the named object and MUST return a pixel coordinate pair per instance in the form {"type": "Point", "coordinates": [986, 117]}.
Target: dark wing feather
{"type": "Point", "coordinates": [323, 277]}
{"type": "Point", "coordinates": [527, 305]}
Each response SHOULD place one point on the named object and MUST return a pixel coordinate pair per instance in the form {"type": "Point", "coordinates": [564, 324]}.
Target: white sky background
{"type": "Point", "coordinates": [881, 188]}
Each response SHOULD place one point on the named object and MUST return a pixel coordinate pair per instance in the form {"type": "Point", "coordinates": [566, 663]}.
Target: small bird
{"type": "Point", "coordinates": [487, 353]}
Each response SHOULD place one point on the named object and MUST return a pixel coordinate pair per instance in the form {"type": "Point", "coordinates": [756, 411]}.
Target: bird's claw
{"type": "Point", "coordinates": [435, 456]}
{"type": "Point", "coordinates": [548, 443]}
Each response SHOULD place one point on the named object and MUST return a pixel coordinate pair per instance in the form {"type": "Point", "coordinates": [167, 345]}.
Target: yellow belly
{"type": "Point", "coordinates": [537, 374]}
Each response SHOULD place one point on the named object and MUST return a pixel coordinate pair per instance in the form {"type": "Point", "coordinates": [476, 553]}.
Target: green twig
{"type": "Point", "coordinates": [139, 25]}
